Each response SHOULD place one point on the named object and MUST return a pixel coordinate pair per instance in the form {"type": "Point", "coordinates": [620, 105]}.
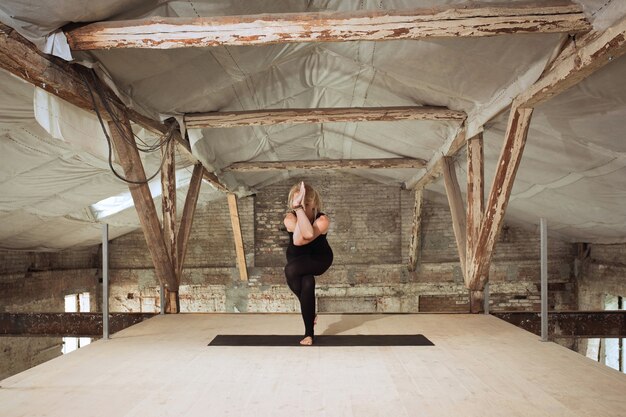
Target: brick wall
{"type": "Point", "coordinates": [39, 282]}
{"type": "Point", "coordinates": [369, 233]}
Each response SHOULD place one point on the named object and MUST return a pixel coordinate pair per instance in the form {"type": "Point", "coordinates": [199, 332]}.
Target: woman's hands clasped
{"type": "Point", "coordinates": [299, 197]}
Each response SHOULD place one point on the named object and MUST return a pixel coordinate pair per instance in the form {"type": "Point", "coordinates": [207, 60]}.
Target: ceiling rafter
{"type": "Point", "coordinates": [459, 21]}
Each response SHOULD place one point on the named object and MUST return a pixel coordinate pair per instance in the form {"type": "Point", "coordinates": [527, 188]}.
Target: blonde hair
{"type": "Point", "coordinates": [311, 197]}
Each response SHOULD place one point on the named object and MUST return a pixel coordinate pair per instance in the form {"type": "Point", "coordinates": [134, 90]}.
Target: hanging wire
{"type": "Point", "coordinates": [164, 141]}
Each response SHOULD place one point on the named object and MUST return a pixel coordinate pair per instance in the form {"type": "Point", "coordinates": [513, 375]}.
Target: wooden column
{"type": "Point", "coordinates": [510, 157]}
{"type": "Point", "coordinates": [475, 205]}
{"type": "Point", "coordinates": [414, 247]}
{"type": "Point", "coordinates": [234, 219]}
{"type": "Point", "coordinates": [168, 203]}
{"type": "Point", "coordinates": [455, 200]}
{"type": "Point", "coordinates": [124, 142]}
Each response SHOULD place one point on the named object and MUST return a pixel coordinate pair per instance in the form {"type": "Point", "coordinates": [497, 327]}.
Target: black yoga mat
{"type": "Point", "coordinates": [322, 340]}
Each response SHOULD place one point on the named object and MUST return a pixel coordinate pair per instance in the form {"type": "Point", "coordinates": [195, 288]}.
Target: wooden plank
{"type": "Point", "coordinates": [327, 164]}
{"type": "Point", "coordinates": [65, 324]}
{"type": "Point", "coordinates": [508, 163]}
{"type": "Point", "coordinates": [414, 246]}
{"type": "Point", "coordinates": [322, 115]}
{"type": "Point", "coordinates": [593, 52]}
{"type": "Point", "coordinates": [457, 211]}
{"type": "Point", "coordinates": [186, 221]}
{"type": "Point", "coordinates": [570, 323]}
{"type": "Point", "coordinates": [128, 156]}
{"type": "Point", "coordinates": [468, 20]}
{"type": "Point", "coordinates": [239, 249]}
{"type": "Point", "coordinates": [168, 203]}
{"type": "Point", "coordinates": [434, 167]}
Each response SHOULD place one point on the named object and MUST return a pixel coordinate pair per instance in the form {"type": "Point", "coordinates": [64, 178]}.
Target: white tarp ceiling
{"type": "Point", "coordinates": [572, 172]}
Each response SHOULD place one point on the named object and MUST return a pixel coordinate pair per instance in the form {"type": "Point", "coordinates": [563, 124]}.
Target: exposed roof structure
{"type": "Point", "coordinates": [54, 155]}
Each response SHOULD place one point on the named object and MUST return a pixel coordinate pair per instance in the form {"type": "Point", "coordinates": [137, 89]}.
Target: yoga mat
{"type": "Point", "coordinates": [322, 340]}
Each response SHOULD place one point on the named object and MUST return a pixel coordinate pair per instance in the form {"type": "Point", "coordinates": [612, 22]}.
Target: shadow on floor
{"type": "Point", "coordinates": [350, 321]}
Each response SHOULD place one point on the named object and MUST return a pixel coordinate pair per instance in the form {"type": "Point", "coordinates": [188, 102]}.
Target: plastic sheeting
{"type": "Point", "coordinates": [571, 173]}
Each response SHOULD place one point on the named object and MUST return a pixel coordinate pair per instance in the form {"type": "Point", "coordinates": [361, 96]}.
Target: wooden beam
{"type": "Point", "coordinates": [168, 205]}
{"type": "Point", "coordinates": [593, 52]}
{"type": "Point", "coordinates": [475, 191]}
{"type": "Point", "coordinates": [168, 202]}
{"type": "Point", "coordinates": [457, 211]}
{"type": "Point", "coordinates": [327, 164]}
{"type": "Point", "coordinates": [414, 246]}
{"type": "Point", "coordinates": [475, 207]}
{"type": "Point", "coordinates": [364, 25]}
{"type": "Point", "coordinates": [186, 221]}
{"type": "Point", "coordinates": [510, 157]}
{"type": "Point", "coordinates": [434, 167]}
{"type": "Point", "coordinates": [239, 249]}
{"type": "Point", "coordinates": [22, 59]}
{"type": "Point", "coordinates": [327, 115]}
{"type": "Point", "coordinates": [65, 324]}
{"type": "Point", "coordinates": [128, 156]}
{"type": "Point", "coordinates": [604, 324]}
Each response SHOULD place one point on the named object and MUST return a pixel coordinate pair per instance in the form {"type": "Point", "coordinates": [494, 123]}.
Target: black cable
{"type": "Point", "coordinates": [122, 132]}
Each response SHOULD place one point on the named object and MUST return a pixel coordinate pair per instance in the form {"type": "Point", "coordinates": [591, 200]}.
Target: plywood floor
{"type": "Point", "coordinates": [479, 366]}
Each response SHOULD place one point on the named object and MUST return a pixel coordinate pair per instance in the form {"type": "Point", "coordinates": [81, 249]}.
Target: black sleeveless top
{"type": "Point", "coordinates": [318, 247]}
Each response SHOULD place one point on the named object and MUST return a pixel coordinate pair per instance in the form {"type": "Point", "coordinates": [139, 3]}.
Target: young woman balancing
{"type": "Point", "coordinates": [308, 253]}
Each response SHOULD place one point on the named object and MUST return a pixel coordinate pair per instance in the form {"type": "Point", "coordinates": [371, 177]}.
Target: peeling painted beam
{"type": "Point", "coordinates": [65, 324]}
{"type": "Point", "coordinates": [327, 115]}
{"type": "Point", "coordinates": [434, 167]}
{"type": "Point", "coordinates": [576, 63]}
{"type": "Point", "coordinates": [327, 164]}
{"type": "Point", "coordinates": [469, 20]}
{"type": "Point", "coordinates": [571, 323]}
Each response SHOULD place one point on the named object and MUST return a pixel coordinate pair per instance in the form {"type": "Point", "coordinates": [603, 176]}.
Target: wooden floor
{"type": "Point", "coordinates": [479, 366]}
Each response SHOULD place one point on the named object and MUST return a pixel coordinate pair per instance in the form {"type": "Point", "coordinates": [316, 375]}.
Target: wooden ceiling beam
{"type": "Point", "coordinates": [434, 167]}
{"type": "Point", "coordinates": [468, 20]}
{"type": "Point", "coordinates": [327, 115]}
{"type": "Point", "coordinates": [327, 164]}
{"type": "Point", "coordinates": [72, 83]}
{"type": "Point", "coordinates": [578, 61]}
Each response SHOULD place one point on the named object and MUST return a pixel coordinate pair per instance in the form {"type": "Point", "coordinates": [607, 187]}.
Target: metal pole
{"type": "Point", "coordinates": [105, 281]}
{"type": "Point", "coordinates": [486, 298]}
{"type": "Point", "coordinates": [544, 280]}
{"type": "Point", "coordinates": [162, 299]}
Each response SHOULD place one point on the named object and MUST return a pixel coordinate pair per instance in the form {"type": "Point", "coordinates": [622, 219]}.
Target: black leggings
{"type": "Point", "coordinates": [300, 272]}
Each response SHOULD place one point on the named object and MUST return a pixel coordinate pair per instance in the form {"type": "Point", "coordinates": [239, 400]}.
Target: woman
{"type": "Point", "coordinates": [308, 253]}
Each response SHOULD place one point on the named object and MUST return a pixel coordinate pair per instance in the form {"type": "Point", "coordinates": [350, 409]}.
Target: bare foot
{"type": "Point", "coordinates": [307, 341]}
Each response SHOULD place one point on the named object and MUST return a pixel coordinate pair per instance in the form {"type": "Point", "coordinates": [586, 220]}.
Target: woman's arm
{"type": "Point", "coordinates": [319, 227]}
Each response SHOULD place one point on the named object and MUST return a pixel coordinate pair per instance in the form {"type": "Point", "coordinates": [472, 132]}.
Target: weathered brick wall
{"type": "Point", "coordinates": [39, 282]}
{"type": "Point", "coordinates": [370, 233]}
{"type": "Point", "coordinates": [601, 271]}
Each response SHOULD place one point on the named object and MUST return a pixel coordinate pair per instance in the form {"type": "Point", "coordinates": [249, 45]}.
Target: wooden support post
{"type": "Point", "coordinates": [186, 221]}
{"type": "Point", "coordinates": [510, 157]}
{"type": "Point", "coordinates": [455, 200]}
{"type": "Point", "coordinates": [168, 203]}
{"type": "Point", "coordinates": [124, 142]}
{"type": "Point", "coordinates": [234, 219]}
{"type": "Point", "coordinates": [414, 247]}
{"type": "Point", "coordinates": [475, 205]}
